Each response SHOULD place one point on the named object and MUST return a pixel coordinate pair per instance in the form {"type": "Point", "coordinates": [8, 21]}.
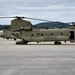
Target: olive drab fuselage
{"type": "Point", "coordinates": [38, 35]}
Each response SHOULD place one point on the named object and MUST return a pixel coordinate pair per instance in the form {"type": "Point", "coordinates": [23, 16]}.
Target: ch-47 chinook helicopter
{"type": "Point", "coordinates": [27, 33]}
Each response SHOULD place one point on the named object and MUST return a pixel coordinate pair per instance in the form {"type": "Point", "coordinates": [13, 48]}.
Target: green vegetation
{"type": "Point", "coordinates": [4, 27]}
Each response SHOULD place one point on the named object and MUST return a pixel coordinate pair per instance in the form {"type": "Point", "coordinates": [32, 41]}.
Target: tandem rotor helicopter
{"type": "Point", "coordinates": [23, 29]}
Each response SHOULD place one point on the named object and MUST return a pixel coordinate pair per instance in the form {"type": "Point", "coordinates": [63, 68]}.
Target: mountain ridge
{"type": "Point", "coordinates": [51, 25]}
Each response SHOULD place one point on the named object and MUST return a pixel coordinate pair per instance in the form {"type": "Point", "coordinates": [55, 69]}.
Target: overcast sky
{"type": "Point", "coordinates": [53, 10]}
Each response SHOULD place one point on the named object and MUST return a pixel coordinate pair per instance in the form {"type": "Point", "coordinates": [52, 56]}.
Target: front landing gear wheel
{"type": "Point", "coordinates": [21, 42]}
{"type": "Point", "coordinates": [57, 43]}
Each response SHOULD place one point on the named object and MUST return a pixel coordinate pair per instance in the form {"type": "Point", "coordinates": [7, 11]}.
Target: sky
{"type": "Point", "coordinates": [52, 10]}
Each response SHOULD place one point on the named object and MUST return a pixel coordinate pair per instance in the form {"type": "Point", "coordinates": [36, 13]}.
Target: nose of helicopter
{"type": "Point", "coordinates": [16, 34]}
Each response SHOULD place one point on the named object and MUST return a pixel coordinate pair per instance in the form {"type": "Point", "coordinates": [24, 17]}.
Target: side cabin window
{"type": "Point", "coordinates": [51, 34]}
{"type": "Point", "coordinates": [31, 34]}
{"type": "Point", "coordinates": [41, 34]}
{"type": "Point", "coordinates": [61, 33]}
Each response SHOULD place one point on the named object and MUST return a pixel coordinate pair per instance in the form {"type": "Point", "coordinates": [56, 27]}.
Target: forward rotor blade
{"type": "Point", "coordinates": [26, 18]}
{"type": "Point", "coordinates": [7, 17]}
{"type": "Point", "coordinates": [36, 19]}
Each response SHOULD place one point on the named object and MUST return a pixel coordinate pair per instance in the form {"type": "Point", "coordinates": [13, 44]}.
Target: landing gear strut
{"type": "Point", "coordinates": [22, 42]}
{"type": "Point", "coordinates": [57, 43]}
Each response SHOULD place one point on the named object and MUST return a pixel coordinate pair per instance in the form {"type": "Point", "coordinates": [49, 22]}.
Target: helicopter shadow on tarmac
{"type": "Point", "coordinates": [40, 44]}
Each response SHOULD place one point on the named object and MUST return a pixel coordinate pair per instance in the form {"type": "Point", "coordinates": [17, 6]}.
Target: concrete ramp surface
{"type": "Point", "coordinates": [36, 59]}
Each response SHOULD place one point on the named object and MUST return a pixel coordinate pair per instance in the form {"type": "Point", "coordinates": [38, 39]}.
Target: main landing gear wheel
{"type": "Point", "coordinates": [14, 39]}
{"type": "Point", "coordinates": [7, 38]}
{"type": "Point", "coordinates": [57, 43]}
{"type": "Point", "coordinates": [21, 42]}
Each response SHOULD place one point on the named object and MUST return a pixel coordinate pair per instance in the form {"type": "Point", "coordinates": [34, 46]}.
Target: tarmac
{"type": "Point", "coordinates": [36, 59]}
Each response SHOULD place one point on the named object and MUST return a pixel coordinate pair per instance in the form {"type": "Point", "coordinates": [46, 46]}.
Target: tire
{"type": "Point", "coordinates": [57, 43]}
{"type": "Point", "coordinates": [21, 42]}
{"type": "Point", "coordinates": [14, 39]}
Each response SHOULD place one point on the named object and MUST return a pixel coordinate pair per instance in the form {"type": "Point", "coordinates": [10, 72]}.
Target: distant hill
{"type": "Point", "coordinates": [51, 25]}
{"type": "Point", "coordinates": [42, 25]}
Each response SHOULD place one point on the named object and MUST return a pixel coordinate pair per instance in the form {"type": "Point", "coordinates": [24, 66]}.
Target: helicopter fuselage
{"type": "Point", "coordinates": [39, 35]}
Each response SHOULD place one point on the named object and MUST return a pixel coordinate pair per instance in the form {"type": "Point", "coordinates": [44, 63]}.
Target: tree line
{"type": "Point", "coordinates": [2, 27]}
